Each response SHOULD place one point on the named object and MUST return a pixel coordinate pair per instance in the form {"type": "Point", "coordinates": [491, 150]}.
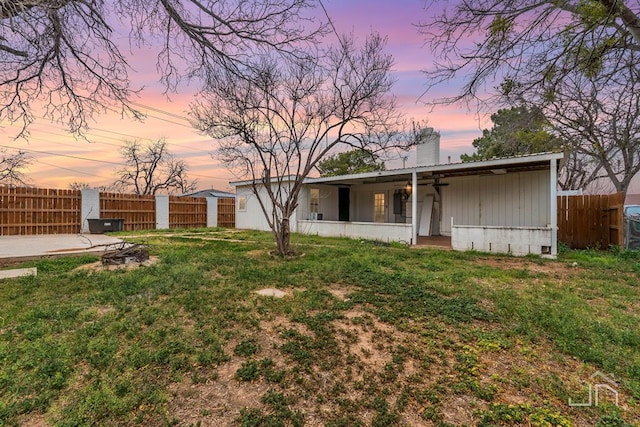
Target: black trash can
{"type": "Point", "coordinates": [103, 225]}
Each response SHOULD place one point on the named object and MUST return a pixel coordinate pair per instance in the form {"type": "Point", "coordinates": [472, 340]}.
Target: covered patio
{"type": "Point", "coordinates": [506, 205]}
{"type": "Point", "coordinates": [503, 205]}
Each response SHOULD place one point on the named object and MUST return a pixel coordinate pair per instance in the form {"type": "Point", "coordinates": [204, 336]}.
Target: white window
{"type": "Point", "coordinates": [314, 200]}
{"type": "Point", "coordinates": [378, 207]}
{"type": "Point", "coordinates": [242, 204]}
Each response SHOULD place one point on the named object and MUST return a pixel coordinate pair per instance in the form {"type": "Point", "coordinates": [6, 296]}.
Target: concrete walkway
{"type": "Point", "coordinates": [18, 248]}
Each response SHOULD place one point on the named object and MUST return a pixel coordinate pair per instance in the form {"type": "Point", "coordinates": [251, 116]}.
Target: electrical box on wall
{"type": "Point", "coordinates": [400, 198]}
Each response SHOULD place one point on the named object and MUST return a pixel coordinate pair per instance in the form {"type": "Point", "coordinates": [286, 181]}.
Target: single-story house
{"type": "Point", "coordinates": [506, 205]}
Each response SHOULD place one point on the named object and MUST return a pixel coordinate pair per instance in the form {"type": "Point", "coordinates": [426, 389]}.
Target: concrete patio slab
{"type": "Point", "coordinates": [18, 272]}
{"type": "Point", "coordinates": [18, 248]}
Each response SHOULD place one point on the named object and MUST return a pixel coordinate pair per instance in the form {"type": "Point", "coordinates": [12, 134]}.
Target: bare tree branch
{"type": "Point", "coordinates": [576, 60]}
{"type": "Point", "coordinates": [495, 42]}
{"type": "Point", "coordinates": [11, 166]}
{"type": "Point", "coordinates": [152, 169]}
{"type": "Point", "coordinates": [277, 119]}
{"type": "Point", "coordinates": [64, 55]}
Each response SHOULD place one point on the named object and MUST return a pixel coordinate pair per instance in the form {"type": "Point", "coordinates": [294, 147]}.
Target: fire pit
{"type": "Point", "coordinates": [128, 253]}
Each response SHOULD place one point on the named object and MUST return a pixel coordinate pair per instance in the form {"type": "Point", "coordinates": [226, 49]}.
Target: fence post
{"type": "Point", "coordinates": [89, 207]}
{"type": "Point", "coordinates": [162, 212]}
{"type": "Point", "coordinates": [212, 211]}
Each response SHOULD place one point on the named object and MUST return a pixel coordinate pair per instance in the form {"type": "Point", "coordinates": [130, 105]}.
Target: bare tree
{"type": "Point", "coordinates": [275, 123]}
{"type": "Point", "coordinates": [576, 60]}
{"type": "Point", "coordinates": [63, 55]}
{"type": "Point", "coordinates": [604, 125]}
{"type": "Point", "coordinates": [151, 169]}
{"type": "Point", "coordinates": [578, 171]}
{"type": "Point", "coordinates": [11, 166]}
{"type": "Point", "coordinates": [524, 44]}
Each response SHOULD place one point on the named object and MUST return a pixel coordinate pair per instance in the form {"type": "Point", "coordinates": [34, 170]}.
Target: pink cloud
{"type": "Point", "coordinates": [392, 19]}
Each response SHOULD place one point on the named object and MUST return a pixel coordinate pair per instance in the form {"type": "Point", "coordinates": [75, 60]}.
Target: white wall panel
{"type": "Point", "coordinates": [252, 218]}
{"type": "Point", "coordinates": [328, 202]}
{"type": "Point", "coordinates": [513, 200]}
{"type": "Point", "coordinates": [460, 201]}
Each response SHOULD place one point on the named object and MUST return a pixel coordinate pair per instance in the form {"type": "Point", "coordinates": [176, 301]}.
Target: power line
{"type": "Point", "coordinates": [158, 110]}
{"type": "Point", "coordinates": [93, 160]}
{"type": "Point", "coordinates": [64, 155]}
{"type": "Point", "coordinates": [71, 170]}
{"type": "Point", "coordinates": [91, 139]}
{"type": "Point", "coordinates": [170, 121]}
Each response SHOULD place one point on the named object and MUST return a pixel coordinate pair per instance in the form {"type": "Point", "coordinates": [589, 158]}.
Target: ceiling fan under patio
{"type": "Point", "coordinates": [436, 182]}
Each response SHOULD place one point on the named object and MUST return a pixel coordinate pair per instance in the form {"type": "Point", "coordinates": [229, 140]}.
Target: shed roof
{"type": "Point", "coordinates": [497, 166]}
{"type": "Point", "coordinates": [212, 193]}
{"type": "Point", "coordinates": [538, 161]}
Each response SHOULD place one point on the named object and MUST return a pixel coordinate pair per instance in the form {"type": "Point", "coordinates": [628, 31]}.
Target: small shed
{"type": "Point", "coordinates": [212, 193]}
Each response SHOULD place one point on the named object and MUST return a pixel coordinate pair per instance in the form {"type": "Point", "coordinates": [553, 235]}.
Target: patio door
{"type": "Point", "coordinates": [344, 198]}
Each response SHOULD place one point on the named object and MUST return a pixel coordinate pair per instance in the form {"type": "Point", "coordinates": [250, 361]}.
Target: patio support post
{"type": "Point", "coordinates": [553, 203]}
{"type": "Point", "coordinates": [414, 207]}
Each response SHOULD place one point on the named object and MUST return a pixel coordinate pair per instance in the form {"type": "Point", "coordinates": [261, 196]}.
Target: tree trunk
{"type": "Point", "coordinates": [283, 238]}
{"type": "Point", "coordinates": [623, 186]}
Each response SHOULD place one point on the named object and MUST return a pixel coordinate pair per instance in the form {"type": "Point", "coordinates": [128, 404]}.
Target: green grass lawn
{"type": "Point", "coordinates": [369, 335]}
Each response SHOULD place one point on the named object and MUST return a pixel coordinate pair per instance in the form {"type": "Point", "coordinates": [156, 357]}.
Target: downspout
{"type": "Point", "coordinates": [553, 203]}
{"type": "Point", "coordinates": [414, 207]}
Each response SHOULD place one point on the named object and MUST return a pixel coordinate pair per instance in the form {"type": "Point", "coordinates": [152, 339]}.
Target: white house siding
{"type": "Point", "coordinates": [460, 200]}
{"type": "Point", "coordinates": [512, 200]}
{"type": "Point", "coordinates": [253, 217]}
{"type": "Point", "coordinates": [421, 193]}
{"type": "Point", "coordinates": [361, 202]}
{"type": "Point", "coordinates": [328, 203]}
{"type": "Point", "coordinates": [517, 241]}
{"type": "Point", "coordinates": [362, 230]}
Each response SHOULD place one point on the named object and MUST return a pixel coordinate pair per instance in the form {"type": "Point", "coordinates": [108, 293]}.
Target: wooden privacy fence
{"type": "Point", "coordinates": [227, 213]}
{"type": "Point", "coordinates": [38, 211]}
{"type": "Point", "coordinates": [138, 212]}
{"type": "Point", "coordinates": [30, 211]}
{"type": "Point", "coordinates": [187, 212]}
{"type": "Point", "coordinates": [594, 221]}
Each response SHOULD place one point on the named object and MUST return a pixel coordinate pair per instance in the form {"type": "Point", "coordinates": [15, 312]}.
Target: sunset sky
{"type": "Point", "coordinates": [60, 159]}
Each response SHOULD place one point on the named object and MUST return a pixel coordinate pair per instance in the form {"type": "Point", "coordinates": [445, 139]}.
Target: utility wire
{"type": "Point", "coordinates": [91, 140]}
{"type": "Point", "coordinates": [64, 155]}
{"type": "Point", "coordinates": [158, 110]}
{"type": "Point", "coordinates": [71, 170]}
{"type": "Point", "coordinates": [92, 160]}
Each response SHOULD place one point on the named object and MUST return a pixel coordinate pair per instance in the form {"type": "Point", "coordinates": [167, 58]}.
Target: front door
{"type": "Point", "coordinates": [343, 203]}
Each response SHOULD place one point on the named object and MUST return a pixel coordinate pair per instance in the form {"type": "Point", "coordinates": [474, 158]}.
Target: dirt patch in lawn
{"type": "Point", "coordinates": [217, 401]}
{"type": "Point", "coordinates": [555, 269]}
{"type": "Point", "coordinates": [365, 360]}
{"type": "Point", "coordinates": [34, 420]}
{"type": "Point", "coordinates": [98, 266]}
